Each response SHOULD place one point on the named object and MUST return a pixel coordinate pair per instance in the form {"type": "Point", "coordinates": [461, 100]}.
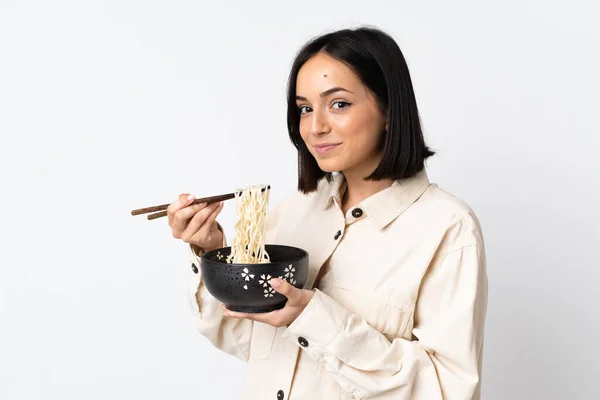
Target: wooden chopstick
{"type": "Point", "coordinates": [163, 207]}
{"type": "Point", "coordinates": [208, 200]}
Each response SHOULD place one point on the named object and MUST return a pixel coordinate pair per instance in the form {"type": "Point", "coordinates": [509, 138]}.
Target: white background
{"type": "Point", "coordinates": [108, 106]}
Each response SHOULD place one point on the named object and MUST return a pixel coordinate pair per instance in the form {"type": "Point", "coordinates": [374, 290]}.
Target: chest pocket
{"type": "Point", "coordinates": [261, 344]}
{"type": "Point", "coordinates": [391, 313]}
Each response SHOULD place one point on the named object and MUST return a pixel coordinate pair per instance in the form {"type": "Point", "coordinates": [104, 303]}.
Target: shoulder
{"type": "Point", "coordinates": [454, 216]}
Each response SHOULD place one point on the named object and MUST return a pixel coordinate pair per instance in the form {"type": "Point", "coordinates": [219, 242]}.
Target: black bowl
{"type": "Point", "coordinates": [245, 287]}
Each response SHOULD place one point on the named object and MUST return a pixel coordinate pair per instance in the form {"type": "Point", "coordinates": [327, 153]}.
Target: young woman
{"type": "Point", "coordinates": [395, 303]}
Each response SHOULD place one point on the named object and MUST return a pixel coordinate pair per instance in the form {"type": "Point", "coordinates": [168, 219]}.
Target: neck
{"type": "Point", "coordinates": [359, 189]}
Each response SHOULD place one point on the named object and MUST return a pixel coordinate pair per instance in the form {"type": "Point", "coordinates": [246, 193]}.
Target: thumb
{"type": "Point", "coordinates": [283, 287]}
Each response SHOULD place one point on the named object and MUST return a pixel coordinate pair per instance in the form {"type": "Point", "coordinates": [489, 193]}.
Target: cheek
{"type": "Point", "coordinates": [305, 133]}
{"type": "Point", "coordinates": [360, 133]}
{"type": "Point", "coordinates": [304, 127]}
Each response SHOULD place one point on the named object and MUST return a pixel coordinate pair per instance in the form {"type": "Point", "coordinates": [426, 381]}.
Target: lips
{"type": "Point", "coordinates": [325, 147]}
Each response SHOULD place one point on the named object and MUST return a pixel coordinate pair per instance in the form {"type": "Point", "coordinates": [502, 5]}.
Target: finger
{"type": "Point", "coordinates": [182, 217]}
{"type": "Point", "coordinates": [205, 229]}
{"type": "Point", "coordinates": [198, 226]}
{"type": "Point", "coordinates": [285, 288]}
{"type": "Point", "coordinates": [271, 318]}
{"type": "Point", "coordinates": [213, 217]}
{"type": "Point", "coordinates": [182, 201]}
{"type": "Point", "coordinates": [235, 314]}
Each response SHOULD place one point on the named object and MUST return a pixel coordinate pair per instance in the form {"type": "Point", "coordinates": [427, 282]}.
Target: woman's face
{"type": "Point", "coordinates": [340, 121]}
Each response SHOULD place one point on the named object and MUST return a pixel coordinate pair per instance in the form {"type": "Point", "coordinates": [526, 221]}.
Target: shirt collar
{"type": "Point", "coordinates": [335, 189]}
{"type": "Point", "coordinates": [385, 205]}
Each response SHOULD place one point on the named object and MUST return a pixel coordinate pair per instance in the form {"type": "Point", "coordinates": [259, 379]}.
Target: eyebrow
{"type": "Point", "coordinates": [327, 92]}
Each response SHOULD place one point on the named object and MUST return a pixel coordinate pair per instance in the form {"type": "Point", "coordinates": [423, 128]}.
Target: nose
{"type": "Point", "coordinates": [319, 125]}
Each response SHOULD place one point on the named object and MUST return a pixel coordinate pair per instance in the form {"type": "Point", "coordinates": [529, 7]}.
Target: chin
{"type": "Point", "coordinates": [330, 166]}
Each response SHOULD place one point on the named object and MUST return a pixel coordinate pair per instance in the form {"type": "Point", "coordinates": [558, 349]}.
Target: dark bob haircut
{"type": "Point", "coordinates": [378, 61]}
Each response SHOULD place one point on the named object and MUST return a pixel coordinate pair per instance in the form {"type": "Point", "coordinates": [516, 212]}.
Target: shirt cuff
{"type": "Point", "coordinates": [321, 321]}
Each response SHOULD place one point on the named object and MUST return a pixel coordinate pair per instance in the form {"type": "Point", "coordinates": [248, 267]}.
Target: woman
{"type": "Point", "coordinates": [395, 302]}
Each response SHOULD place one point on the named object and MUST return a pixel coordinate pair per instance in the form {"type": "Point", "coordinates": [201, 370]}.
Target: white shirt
{"type": "Point", "coordinates": [398, 314]}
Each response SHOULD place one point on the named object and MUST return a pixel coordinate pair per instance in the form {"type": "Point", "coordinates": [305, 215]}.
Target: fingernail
{"type": "Point", "coordinates": [275, 282]}
{"type": "Point", "coordinates": [190, 197]}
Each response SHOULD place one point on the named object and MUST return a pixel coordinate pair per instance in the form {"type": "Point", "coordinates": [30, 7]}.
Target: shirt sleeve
{"type": "Point", "coordinates": [444, 360]}
{"type": "Point", "coordinates": [233, 336]}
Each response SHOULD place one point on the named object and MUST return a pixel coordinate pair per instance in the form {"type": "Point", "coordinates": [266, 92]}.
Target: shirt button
{"type": "Point", "coordinates": [337, 235]}
{"type": "Point", "coordinates": [194, 268]}
{"type": "Point", "coordinates": [357, 213]}
{"type": "Point", "coordinates": [280, 395]}
{"type": "Point", "coordinates": [303, 342]}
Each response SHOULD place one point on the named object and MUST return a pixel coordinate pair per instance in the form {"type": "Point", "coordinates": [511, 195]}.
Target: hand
{"type": "Point", "coordinates": [296, 303]}
{"type": "Point", "coordinates": [195, 224]}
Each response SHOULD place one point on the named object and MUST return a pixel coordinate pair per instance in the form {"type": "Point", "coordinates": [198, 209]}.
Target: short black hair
{"type": "Point", "coordinates": [378, 61]}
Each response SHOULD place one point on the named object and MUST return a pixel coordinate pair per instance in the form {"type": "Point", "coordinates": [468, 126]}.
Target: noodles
{"type": "Point", "coordinates": [248, 246]}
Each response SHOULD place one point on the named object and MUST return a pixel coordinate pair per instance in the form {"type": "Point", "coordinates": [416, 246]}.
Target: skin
{"type": "Point", "coordinates": [335, 107]}
{"type": "Point", "coordinates": [349, 116]}
{"type": "Point", "coordinates": [195, 224]}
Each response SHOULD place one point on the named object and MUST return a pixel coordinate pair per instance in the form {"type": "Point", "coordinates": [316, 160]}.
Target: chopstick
{"type": "Point", "coordinates": [163, 207]}
{"type": "Point", "coordinates": [208, 200]}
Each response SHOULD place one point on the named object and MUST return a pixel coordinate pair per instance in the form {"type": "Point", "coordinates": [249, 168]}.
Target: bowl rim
{"type": "Point", "coordinates": [204, 257]}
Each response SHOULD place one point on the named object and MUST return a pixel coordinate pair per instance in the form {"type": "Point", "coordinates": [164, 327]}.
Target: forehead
{"type": "Point", "coordinates": [322, 72]}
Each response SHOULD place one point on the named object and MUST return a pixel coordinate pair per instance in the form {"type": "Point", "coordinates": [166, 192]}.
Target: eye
{"type": "Point", "coordinates": [304, 109]}
{"type": "Point", "coordinates": [341, 105]}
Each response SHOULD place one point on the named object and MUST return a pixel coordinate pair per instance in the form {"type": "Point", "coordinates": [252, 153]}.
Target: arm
{"type": "Point", "coordinates": [445, 362]}
{"type": "Point", "coordinates": [229, 335]}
